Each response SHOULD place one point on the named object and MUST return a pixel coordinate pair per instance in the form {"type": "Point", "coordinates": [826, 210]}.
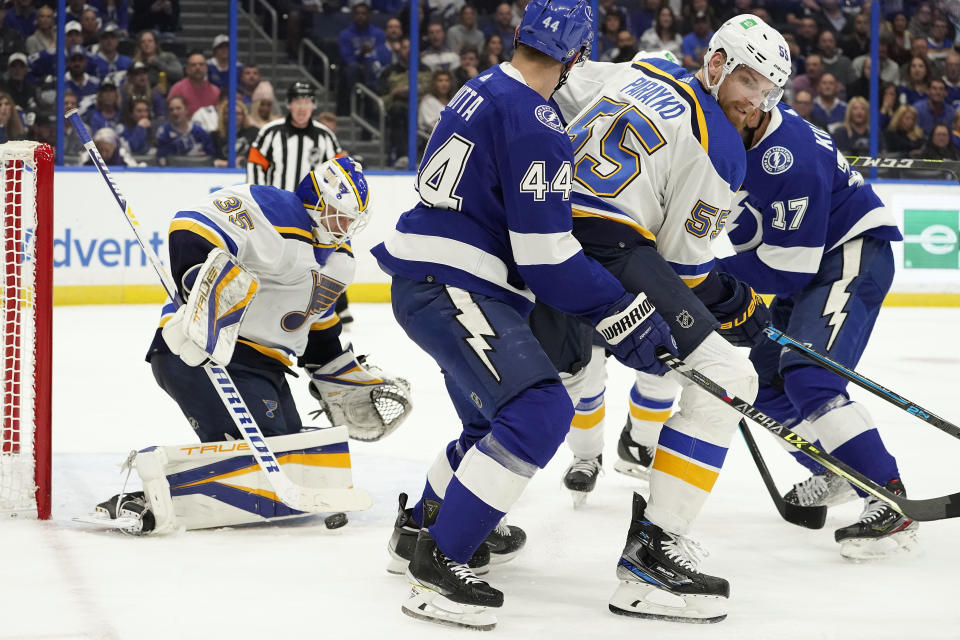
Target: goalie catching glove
{"type": "Point", "coordinates": [360, 396]}
{"type": "Point", "coordinates": [207, 326]}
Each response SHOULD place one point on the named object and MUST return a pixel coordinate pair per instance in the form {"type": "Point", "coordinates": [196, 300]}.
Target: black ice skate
{"type": "Point", "coordinates": [448, 592]}
{"type": "Point", "coordinates": [659, 576]}
{"type": "Point", "coordinates": [581, 477]}
{"type": "Point", "coordinates": [634, 459]}
{"type": "Point", "coordinates": [821, 490]}
{"type": "Point", "coordinates": [502, 545]}
{"type": "Point", "coordinates": [128, 512]}
{"type": "Point", "coordinates": [879, 532]}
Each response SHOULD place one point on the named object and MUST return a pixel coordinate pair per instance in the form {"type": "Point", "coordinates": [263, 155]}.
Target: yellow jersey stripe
{"type": "Point", "coordinates": [581, 213]}
{"type": "Point", "coordinates": [183, 224]}
{"type": "Point", "coordinates": [325, 324]}
{"type": "Point", "coordinates": [297, 231]}
{"type": "Point", "coordinates": [685, 470]}
{"type": "Point", "coordinates": [276, 354]}
{"type": "Point", "coordinates": [649, 415]}
{"type": "Point", "coordinates": [588, 420]}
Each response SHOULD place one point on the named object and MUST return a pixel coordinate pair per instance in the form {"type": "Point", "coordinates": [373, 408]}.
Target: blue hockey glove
{"type": "Point", "coordinates": [633, 330]}
{"type": "Point", "coordinates": [743, 315]}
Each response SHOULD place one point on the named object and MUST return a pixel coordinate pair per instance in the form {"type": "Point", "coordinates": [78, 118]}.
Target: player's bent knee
{"type": "Point", "coordinates": [726, 365]}
{"type": "Point", "coordinates": [534, 424]}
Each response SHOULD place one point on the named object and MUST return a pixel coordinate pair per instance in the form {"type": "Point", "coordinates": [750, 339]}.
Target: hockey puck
{"type": "Point", "coordinates": [335, 521]}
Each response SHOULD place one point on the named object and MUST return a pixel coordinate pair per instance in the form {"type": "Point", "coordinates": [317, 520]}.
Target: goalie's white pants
{"type": "Point", "coordinates": [218, 484]}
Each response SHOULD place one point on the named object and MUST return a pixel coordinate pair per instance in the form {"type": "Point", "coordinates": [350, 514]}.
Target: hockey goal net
{"type": "Point", "coordinates": [26, 302]}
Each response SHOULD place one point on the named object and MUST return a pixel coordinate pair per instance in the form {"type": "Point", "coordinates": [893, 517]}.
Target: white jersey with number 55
{"type": "Point", "coordinates": [653, 151]}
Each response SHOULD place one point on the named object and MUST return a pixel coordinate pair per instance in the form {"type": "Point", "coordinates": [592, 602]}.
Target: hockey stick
{"type": "Point", "coordinates": [293, 495]}
{"type": "Point", "coordinates": [809, 517]}
{"type": "Point", "coordinates": [921, 510]}
{"type": "Point", "coordinates": [953, 166]}
{"type": "Point", "coordinates": [861, 381]}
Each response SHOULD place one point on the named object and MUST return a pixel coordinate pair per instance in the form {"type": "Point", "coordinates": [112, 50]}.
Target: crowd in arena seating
{"type": "Point", "coordinates": [149, 101]}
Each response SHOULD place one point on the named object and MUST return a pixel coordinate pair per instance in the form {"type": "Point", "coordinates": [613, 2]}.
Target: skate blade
{"type": "Point", "coordinates": [858, 550]}
{"type": "Point", "coordinates": [498, 558]}
{"type": "Point", "coordinates": [641, 600]}
{"type": "Point", "coordinates": [633, 470]}
{"type": "Point", "coordinates": [579, 498]}
{"type": "Point", "coordinates": [100, 519]}
{"type": "Point", "coordinates": [426, 604]}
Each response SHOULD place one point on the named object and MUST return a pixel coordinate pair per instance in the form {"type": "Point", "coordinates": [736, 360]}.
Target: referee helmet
{"type": "Point", "coordinates": [301, 90]}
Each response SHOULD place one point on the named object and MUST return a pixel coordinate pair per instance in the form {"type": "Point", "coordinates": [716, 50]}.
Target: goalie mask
{"type": "Point", "coordinates": [336, 197]}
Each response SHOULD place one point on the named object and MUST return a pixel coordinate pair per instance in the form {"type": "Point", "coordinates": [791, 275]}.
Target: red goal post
{"type": "Point", "coordinates": [26, 305]}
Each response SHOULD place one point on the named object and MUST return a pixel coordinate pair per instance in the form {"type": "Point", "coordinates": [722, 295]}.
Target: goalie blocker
{"type": "Point", "coordinates": [219, 484]}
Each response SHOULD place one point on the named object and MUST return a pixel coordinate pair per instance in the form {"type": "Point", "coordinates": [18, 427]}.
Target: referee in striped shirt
{"type": "Point", "coordinates": [289, 148]}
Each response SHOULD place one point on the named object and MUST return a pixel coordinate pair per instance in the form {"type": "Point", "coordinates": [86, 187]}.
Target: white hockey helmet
{"type": "Point", "coordinates": [748, 40]}
{"type": "Point", "coordinates": [336, 196]}
{"type": "Point", "coordinates": [662, 54]}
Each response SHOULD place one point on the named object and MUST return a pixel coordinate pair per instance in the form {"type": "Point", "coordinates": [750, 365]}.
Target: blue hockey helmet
{"type": "Point", "coordinates": [559, 28]}
{"type": "Point", "coordinates": [336, 196]}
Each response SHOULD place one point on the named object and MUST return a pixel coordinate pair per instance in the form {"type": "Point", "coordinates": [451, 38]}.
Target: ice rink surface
{"type": "Point", "coordinates": [59, 579]}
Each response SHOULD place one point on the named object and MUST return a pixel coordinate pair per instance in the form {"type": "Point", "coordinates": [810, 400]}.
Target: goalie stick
{"type": "Point", "coordinates": [938, 508]}
{"type": "Point", "coordinates": [295, 496]}
{"type": "Point", "coordinates": [861, 381]}
{"type": "Point", "coordinates": [809, 517]}
{"type": "Point", "coordinates": [953, 166]}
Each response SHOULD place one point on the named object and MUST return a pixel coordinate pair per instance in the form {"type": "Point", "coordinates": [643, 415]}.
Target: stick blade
{"type": "Point", "coordinates": [809, 517]}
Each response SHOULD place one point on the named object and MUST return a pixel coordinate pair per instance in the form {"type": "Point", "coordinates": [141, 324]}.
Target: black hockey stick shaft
{"type": "Point", "coordinates": [862, 381]}
{"type": "Point", "coordinates": [809, 517]}
{"type": "Point", "coordinates": [921, 510]}
{"type": "Point", "coordinates": [953, 166]}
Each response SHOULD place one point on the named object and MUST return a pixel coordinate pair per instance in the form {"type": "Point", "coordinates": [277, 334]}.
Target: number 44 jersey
{"type": "Point", "coordinates": [653, 151]}
{"type": "Point", "coordinates": [494, 214]}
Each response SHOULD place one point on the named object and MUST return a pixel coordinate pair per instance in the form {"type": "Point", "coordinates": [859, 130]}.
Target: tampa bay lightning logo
{"type": "Point", "coordinates": [777, 160]}
{"type": "Point", "coordinates": [549, 117]}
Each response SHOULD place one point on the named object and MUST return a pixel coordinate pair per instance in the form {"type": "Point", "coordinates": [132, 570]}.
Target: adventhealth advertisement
{"type": "Point", "coordinates": [97, 259]}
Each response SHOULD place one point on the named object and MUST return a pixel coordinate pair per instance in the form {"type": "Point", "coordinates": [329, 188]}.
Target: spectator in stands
{"type": "Point", "coordinates": [803, 105]}
{"type": "Point", "coordinates": [889, 70]}
{"type": "Point", "coordinates": [938, 147]}
{"type": "Point", "coordinates": [465, 33]}
{"type": "Point", "coordinates": [108, 60]}
{"type": "Point", "coordinates": [393, 34]}
{"type": "Point", "coordinates": [899, 38]}
{"type": "Point", "coordinates": [263, 106]}
{"type": "Point", "coordinates": [694, 44]}
{"type": "Point", "coordinates": [45, 129]}
{"type": "Point", "coordinates": [247, 82]}
{"type": "Point", "coordinates": [921, 23]}
{"type": "Point", "coordinates": [955, 131]}
{"type": "Point", "coordinates": [624, 51]}
{"type": "Point", "coordinates": [492, 53]}
{"type": "Point", "coordinates": [611, 25]}
{"type": "Point", "coordinates": [918, 49]}
{"type": "Point", "coordinates": [807, 33]}
{"type": "Point", "coordinates": [852, 137]}
{"type": "Point", "coordinates": [469, 66]}
{"type": "Point", "coordinates": [90, 27]}
{"type": "Point", "coordinates": [916, 82]}
{"type": "Point", "coordinates": [642, 18]}
{"type": "Point", "coordinates": [860, 86]}
{"type": "Point", "coordinates": [218, 65]}
{"type": "Point", "coordinates": [329, 120]}
{"type": "Point", "coordinates": [691, 10]}
{"type": "Point", "coordinates": [17, 85]}
{"type": "Point", "coordinates": [113, 149]}
{"type": "Point", "coordinates": [903, 137]}
{"type": "Point", "coordinates": [11, 124]}
{"type": "Point", "coordinates": [437, 55]}
{"type": "Point", "coordinates": [106, 109]}
{"type": "Point", "coordinates": [195, 88]}
{"type": "Point", "coordinates": [23, 17]}
{"type": "Point", "coordinates": [246, 134]}
{"type": "Point", "coordinates": [394, 90]}
{"type": "Point", "coordinates": [827, 107]}
{"type": "Point", "coordinates": [78, 80]}
{"type": "Point", "coordinates": [951, 77]}
{"type": "Point", "coordinates": [75, 10]}
{"type": "Point", "coordinates": [45, 36]}
{"type": "Point", "coordinates": [158, 62]}
{"type": "Point", "coordinates": [72, 147]}
{"type": "Point", "coordinates": [116, 12]}
{"type": "Point", "coordinates": [809, 80]}
{"type": "Point", "coordinates": [178, 137]}
{"type": "Point", "coordinates": [604, 8]}
{"type": "Point", "coordinates": [364, 53]}
{"type": "Point", "coordinates": [503, 26]}
{"type": "Point", "coordinates": [834, 62]}
{"type": "Point", "coordinates": [857, 41]}
{"type": "Point", "coordinates": [137, 129]}
{"type": "Point", "coordinates": [157, 15]}
{"type": "Point", "coordinates": [888, 103]}
{"type": "Point", "coordinates": [938, 44]}
{"type": "Point", "coordinates": [663, 34]}
{"type": "Point", "coordinates": [137, 86]}
{"type": "Point", "coordinates": [12, 41]}
{"type": "Point", "coordinates": [934, 109]}
{"type": "Point", "coordinates": [441, 90]}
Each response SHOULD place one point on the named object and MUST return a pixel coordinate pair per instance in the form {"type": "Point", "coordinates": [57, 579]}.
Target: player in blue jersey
{"type": "Point", "coordinates": [492, 234]}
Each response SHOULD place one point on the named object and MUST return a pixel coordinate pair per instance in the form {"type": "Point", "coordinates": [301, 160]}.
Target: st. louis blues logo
{"type": "Point", "coordinates": [271, 407]}
{"type": "Point", "coordinates": [546, 115]}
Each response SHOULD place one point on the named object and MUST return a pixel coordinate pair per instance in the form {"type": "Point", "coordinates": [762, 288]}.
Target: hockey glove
{"type": "Point", "coordinates": [633, 330]}
{"type": "Point", "coordinates": [743, 315]}
{"type": "Point", "coordinates": [361, 396]}
{"type": "Point", "coordinates": [207, 326]}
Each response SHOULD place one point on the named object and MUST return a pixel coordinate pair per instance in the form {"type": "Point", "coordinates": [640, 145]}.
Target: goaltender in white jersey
{"type": "Point", "coordinates": [260, 270]}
